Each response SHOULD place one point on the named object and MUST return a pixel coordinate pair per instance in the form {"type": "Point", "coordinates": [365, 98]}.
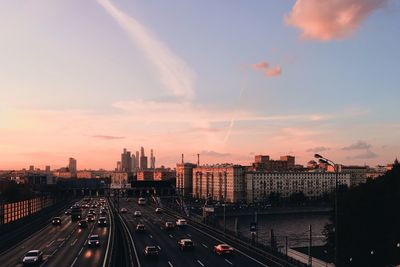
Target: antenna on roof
{"type": "Point", "coordinates": [198, 159]}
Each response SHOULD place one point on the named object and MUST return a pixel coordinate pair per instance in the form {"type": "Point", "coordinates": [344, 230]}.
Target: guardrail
{"type": "Point", "coordinates": [124, 252]}
{"type": "Point", "coordinates": [16, 232]}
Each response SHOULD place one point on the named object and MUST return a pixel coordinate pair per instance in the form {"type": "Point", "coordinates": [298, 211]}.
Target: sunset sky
{"type": "Point", "coordinates": [226, 79]}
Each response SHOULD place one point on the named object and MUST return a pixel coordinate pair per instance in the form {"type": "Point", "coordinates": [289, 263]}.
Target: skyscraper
{"type": "Point", "coordinates": [72, 166]}
{"type": "Point", "coordinates": [137, 158]}
{"type": "Point", "coordinates": [133, 162]}
{"type": "Point", "coordinates": [143, 159]}
{"type": "Point", "coordinates": [152, 160]}
{"type": "Point", "coordinates": [126, 161]}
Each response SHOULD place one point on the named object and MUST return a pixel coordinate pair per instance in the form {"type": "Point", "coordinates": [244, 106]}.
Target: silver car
{"type": "Point", "coordinates": [33, 257]}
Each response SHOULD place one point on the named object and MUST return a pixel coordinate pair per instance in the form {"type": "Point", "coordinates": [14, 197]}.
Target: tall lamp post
{"type": "Point", "coordinates": [324, 160]}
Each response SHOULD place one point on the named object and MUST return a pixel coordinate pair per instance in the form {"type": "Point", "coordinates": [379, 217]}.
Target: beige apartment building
{"type": "Point", "coordinates": [184, 178]}
{"type": "Point", "coordinates": [219, 182]}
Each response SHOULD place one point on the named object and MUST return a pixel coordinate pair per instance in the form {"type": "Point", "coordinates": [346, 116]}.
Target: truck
{"type": "Point", "coordinates": [76, 213]}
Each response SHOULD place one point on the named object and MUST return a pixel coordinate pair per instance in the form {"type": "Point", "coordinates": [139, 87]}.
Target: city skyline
{"type": "Point", "coordinates": [259, 78]}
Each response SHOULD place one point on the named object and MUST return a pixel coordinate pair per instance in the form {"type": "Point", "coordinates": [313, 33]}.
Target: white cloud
{"type": "Point", "coordinates": [173, 71]}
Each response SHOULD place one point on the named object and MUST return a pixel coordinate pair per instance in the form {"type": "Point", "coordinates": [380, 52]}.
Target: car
{"type": "Point", "coordinates": [56, 221]}
{"type": "Point", "coordinates": [102, 222]}
{"type": "Point", "coordinates": [90, 218]}
{"type": "Point", "coordinates": [140, 227]}
{"type": "Point", "coordinates": [91, 211]}
{"type": "Point", "coordinates": [142, 201]}
{"type": "Point", "coordinates": [124, 210]}
{"type": "Point", "coordinates": [93, 241]}
{"type": "Point", "coordinates": [181, 222]}
{"type": "Point", "coordinates": [169, 226]}
{"type": "Point", "coordinates": [103, 212]}
{"type": "Point", "coordinates": [158, 210]}
{"type": "Point", "coordinates": [223, 249]}
{"type": "Point", "coordinates": [33, 257]}
{"type": "Point", "coordinates": [151, 251]}
{"type": "Point", "coordinates": [67, 212]}
{"type": "Point", "coordinates": [137, 213]}
{"type": "Point", "coordinates": [185, 244]}
{"type": "Point", "coordinates": [83, 224]}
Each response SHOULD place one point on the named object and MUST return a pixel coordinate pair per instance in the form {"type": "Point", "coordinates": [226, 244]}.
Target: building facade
{"type": "Point", "coordinates": [264, 163]}
{"type": "Point", "coordinates": [259, 185]}
{"type": "Point", "coordinates": [223, 182]}
{"type": "Point", "coordinates": [184, 178]}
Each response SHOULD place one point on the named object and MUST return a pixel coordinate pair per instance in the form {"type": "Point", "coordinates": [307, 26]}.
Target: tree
{"type": "Point", "coordinates": [369, 222]}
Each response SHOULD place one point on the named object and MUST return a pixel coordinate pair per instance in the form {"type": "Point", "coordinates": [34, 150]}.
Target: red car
{"type": "Point", "coordinates": [223, 249]}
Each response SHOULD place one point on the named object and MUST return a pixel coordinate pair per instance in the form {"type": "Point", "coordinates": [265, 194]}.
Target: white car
{"type": "Point", "coordinates": [181, 222]}
{"type": "Point", "coordinates": [124, 210]}
{"type": "Point", "coordinates": [33, 257]}
{"type": "Point", "coordinates": [137, 213]}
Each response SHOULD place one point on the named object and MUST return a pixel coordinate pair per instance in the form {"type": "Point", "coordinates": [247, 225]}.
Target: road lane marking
{"type": "Point", "coordinates": [189, 235]}
{"type": "Point", "coordinates": [204, 245]}
{"type": "Point", "coordinates": [171, 236]}
{"type": "Point", "coordinates": [159, 248]}
{"type": "Point", "coordinates": [151, 236]}
{"type": "Point", "coordinates": [80, 251]}
{"type": "Point", "coordinates": [200, 263]}
{"type": "Point", "coordinates": [228, 262]}
{"type": "Point", "coordinates": [51, 243]}
{"type": "Point", "coordinates": [74, 242]}
{"type": "Point", "coordinates": [170, 264]}
{"type": "Point", "coordinates": [76, 258]}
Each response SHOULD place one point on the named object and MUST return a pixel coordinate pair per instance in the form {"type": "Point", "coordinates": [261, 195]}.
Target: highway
{"type": "Point", "coordinates": [64, 245]}
{"type": "Point", "coordinates": [167, 241]}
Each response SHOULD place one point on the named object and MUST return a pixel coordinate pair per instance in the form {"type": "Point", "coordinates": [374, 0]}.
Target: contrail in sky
{"type": "Point", "coordinates": [233, 118]}
{"type": "Point", "coordinates": [173, 71]}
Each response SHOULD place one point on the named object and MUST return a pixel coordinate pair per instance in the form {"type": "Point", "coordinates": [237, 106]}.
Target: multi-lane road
{"type": "Point", "coordinates": [167, 241]}
{"type": "Point", "coordinates": [66, 245]}
{"type": "Point", "coordinates": [63, 245]}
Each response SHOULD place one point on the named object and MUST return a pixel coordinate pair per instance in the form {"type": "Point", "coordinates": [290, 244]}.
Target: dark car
{"type": "Point", "coordinates": [93, 241]}
{"type": "Point", "coordinates": [140, 228]}
{"type": "Point", "coordinates": [151, 251]}
{"type": "Point", "coordinates": [90, 218]}
{"type": "Point", "coordinates": [169, 226]}
{"type": "Point", "coordinates": [158, 210]}
{"type": "Point", "coordinates": [102, 222]}
{"type": "Point", "coordinates": [83, 224]}
{"type": "Point", "coordinates": [56, 221]}
{"type": "Point", "coordinates": [67, 212]}
{"type": "Point", "coordinates": [185, 244]}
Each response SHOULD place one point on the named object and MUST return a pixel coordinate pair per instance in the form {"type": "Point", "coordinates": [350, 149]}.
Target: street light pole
{"type": "Point", "coordinates": [336, 168]}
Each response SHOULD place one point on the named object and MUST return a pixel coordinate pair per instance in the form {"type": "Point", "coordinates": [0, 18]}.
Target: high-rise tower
{"type": "Point", "coordinates": [143, 159]}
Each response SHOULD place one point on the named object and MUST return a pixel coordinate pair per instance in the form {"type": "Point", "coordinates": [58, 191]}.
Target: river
{"type": "Point", "coordinates": [294, 226]}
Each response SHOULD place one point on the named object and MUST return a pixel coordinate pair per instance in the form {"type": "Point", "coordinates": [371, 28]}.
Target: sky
{"type": "Point", "coordinates": [225, 79]}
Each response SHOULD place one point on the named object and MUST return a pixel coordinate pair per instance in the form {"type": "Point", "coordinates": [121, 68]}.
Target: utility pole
{"type": "Point", "coordinates": [286, 241]}
{"type": "Point", "coordinates": [309, 247]}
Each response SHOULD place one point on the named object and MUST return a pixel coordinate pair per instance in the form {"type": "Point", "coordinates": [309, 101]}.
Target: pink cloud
{"type": "Point", "coordinates": [334, 19]}
{"type": "Point", "coordinates": [261, 65]}
{"type": "Point", "coordinates": [273, 72]}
